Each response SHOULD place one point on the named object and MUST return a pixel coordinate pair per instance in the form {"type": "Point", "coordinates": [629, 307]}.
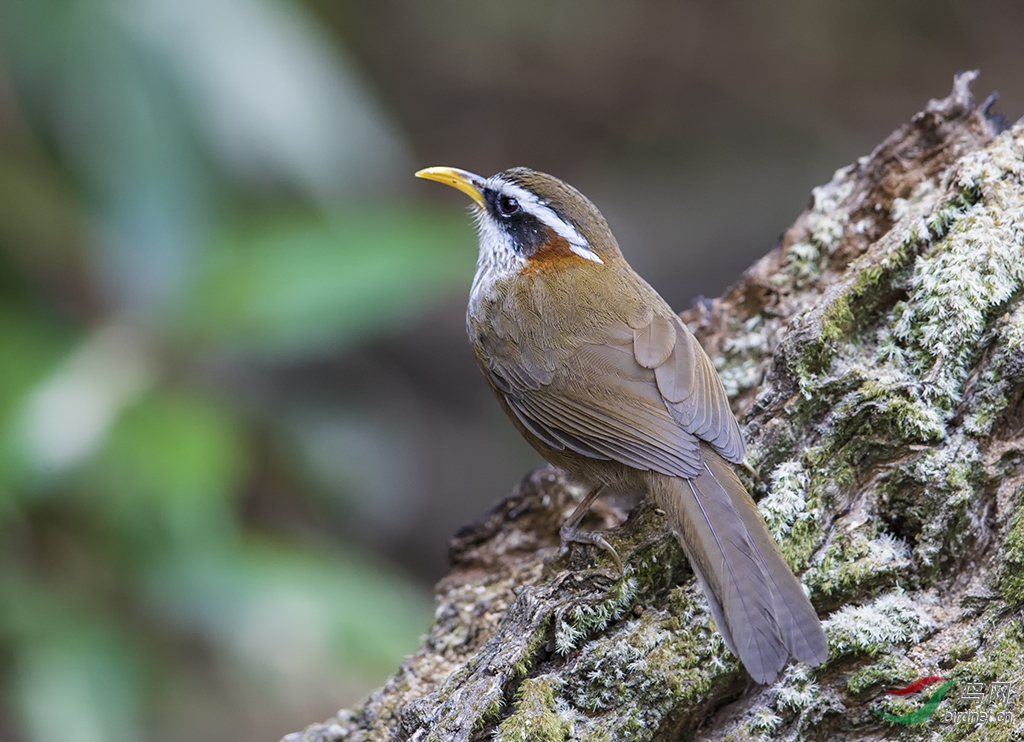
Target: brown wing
{"type": "Point", "coordinates": [695, 397]}
{"type": "Point", "coordinates": [612, 400]}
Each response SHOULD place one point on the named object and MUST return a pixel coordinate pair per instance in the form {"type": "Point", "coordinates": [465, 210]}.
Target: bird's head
{"type": "Point", "coordinates": [529, 219]}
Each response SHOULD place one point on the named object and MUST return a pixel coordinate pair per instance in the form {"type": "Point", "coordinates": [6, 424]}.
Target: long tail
{"type": "Point", "coordinates": [759, 606]}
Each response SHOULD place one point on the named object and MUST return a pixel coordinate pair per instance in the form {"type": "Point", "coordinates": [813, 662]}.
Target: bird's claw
{"type": "Point", "coordinates": [571, 534]}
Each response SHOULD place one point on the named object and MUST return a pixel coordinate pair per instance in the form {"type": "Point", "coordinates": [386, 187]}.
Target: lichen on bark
{"type": "Point", "coordinates": [876, 360]}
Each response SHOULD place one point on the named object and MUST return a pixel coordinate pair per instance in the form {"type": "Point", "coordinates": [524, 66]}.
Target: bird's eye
{"type": "Point", "coordinates": [507, 205]}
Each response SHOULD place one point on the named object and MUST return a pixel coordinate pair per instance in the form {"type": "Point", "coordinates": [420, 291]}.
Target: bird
{"type": "Point", "coordinates": [605, 381]}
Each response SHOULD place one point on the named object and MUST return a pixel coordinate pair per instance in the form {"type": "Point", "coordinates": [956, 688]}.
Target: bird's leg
{"type": "Point", "coordinates": [751, 471]}
{"type": "Point", "coordinates": [570, 533]}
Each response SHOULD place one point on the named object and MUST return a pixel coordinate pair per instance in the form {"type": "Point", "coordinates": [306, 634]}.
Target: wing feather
{"type": "Point", "coordinates": [695, 397]}
{"type": "Point", "coordinates": [645, 396]}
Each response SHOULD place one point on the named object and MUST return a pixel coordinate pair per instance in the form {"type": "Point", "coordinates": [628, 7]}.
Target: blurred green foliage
{"type": "Point", "coordinates": [292, 285]}
{"type": "Point", "coordinates": [133, 255]}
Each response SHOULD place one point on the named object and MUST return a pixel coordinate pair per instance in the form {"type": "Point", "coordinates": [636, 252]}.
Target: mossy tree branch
{"type": "Point", "coordinates": [876, 358]}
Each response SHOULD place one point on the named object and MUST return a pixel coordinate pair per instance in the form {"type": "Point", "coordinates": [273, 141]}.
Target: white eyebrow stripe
{"type": "Point", "coordinates": [531, 204]}
{"type": "Point", "coordinates": [586, 253]}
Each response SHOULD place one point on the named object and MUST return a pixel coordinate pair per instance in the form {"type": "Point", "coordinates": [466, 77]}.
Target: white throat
{"type": "Point", "coordinates": [497, 259]}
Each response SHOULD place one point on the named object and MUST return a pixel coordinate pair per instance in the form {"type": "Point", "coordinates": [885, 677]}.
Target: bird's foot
{"type": "Point", "coordinates": [571, 534]}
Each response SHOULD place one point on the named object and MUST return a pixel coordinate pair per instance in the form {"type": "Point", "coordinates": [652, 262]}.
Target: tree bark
{"type": "Point", "coordinates": [876, 360]}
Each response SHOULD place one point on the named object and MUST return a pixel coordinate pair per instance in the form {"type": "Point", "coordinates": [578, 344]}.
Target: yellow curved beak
{"type": "Point", "coordinates": [470, 184]}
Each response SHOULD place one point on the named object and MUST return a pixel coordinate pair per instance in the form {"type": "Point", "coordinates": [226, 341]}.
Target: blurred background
{"type": "Point", "coordinates": [239, 420]}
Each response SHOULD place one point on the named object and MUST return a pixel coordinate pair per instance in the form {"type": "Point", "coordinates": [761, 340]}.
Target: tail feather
{"type": "Point", "coordinates": [730, 571]}
{"type": "Point", "coordinates": [759, 606]}
{"type": "Point", "coordinates": [797, 618]}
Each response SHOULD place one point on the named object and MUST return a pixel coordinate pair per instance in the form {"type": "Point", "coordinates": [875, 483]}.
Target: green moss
{"type": "Point", "coordinates": [869, 289]}
{"type": "Point", "coordinates": [764, 724]}
{"type": "Point", "coordinates": [890, 671]}
{"type": "Point", "coordinates": [802, 263]}
{"type": "Point", "coordinates": [1005, 366]}
{"type": "Point", "coordinates": [949, 212]}
{"type": "Point", "coordinates": [998, 663]}
{"type": "Point", "coordinates": [792, 515]}
{"type": "Point", "coordinates": [836, 318]}
{"type": "Point", "coordinates": [1011, 573]}
{"type": "Point", "coordinates": [797, 691]}
{"type": "Point", "coordinates": [853, 564]}
{"type": "Point", "coordinates": [738, 376]}
{"type": "Point", "coordinates": [489, 713]}
{"type": "Point", "coordinates": [925, 347]}
{"type": "Point", "coordinates": [823, 229]}
{"type": "Point", "coordinates": [658, 662]}
{"type": "Point", "coordinates": [939, 222]}
{"type": "Point", "coordinates": [760, 725]}
{"type": "Point", "coordinates": [884, 407]}
{"type": "Point", "coordinates": [652, 566]}
{"type": "Point", "coordinates": [740, 365]}
{"type": "Point", "coordinates": [812, 359]}
{"type": "Point", "coordinates": [534, 644]}
{"type": "Point", "coordinates": [603, 670]}
{"type": "Point", "coordinates": [885, 273]}
{"type": "Point", "coordinates": [964, 650]}
{"type": "Point", "coordinates": [537, 714]}
{"type": "Point", "coordinates": [875, 629]}
{"type": "Point", "coordinates": [582, 620]}
{"type": "Point", "coordinates": [957, 290]}
{"type": "Point", "coordinates": [897, 414]}
{"type": "Point", "coordinates": [831, 470]}
{"type": "Point", "coordinates": [945, 482]}
{"type": "Point", "coordinates": [870, 416]}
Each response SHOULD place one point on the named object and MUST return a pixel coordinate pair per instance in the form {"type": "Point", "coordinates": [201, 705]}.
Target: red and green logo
{"type": "Point", "coordinates": [931, 702]}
